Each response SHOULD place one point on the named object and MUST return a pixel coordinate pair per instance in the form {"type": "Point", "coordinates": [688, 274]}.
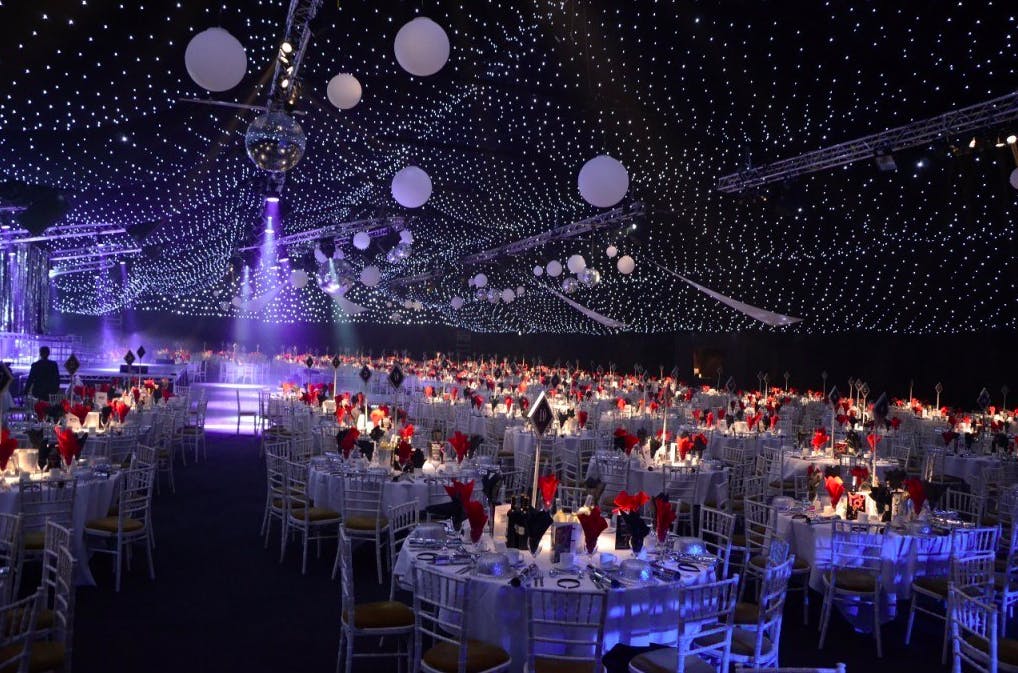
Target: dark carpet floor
{"type": "Point", "coordinates": [220, 602]}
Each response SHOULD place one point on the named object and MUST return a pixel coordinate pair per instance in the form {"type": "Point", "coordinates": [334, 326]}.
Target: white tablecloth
{"type": "Point", "coordinates": [92, 500]}
{"type": "Point", "coordinates": [812, 543]}
{"type": "Point", "coordinates": [497, 613]}
{"type": "Point", "coordinates": [711, 483]}
{"type": "Point", "coordinates": [327, 491]}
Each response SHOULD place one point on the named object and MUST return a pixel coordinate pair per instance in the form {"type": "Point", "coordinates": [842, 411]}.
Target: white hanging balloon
{"type": "Point", "coordinates": [480, 280]}
{"type": "Point", "coordinates": [224, 305]}
{"type": "Point", "coordinates": [538, 271]}
{"type": "Point", "coordinates": [456, 303]}
{"type": "Point", "coordinates": [520, 291]}
{"type": "Point", "coordinates": [626, 265]}
{"type": "Point", "coordinates": [611, 251]}
{"type": "Point", "coordinates": [320, 256]}
{"type": "Point", "coordinates": [603, 181]}
{"type": "Point", "coordinates": [370, 276]}
{"type": "Point", "coordinates": [299, 278]}
{"type": "Point", "coordinates": [344, 91]}
{"type": "Point", "coordinates": [237, 301]}
{"type": "Point", "coordinates": [576, 263]}
{"type": "Point", "coordinates": [508, 295]}
{"type": "Point", "coordinates": [215, 60]}
{"type": "Point", "coordinates": [493, 295]}
{"type": "Point", "coordinates": [554, 268]}
{"type": "Point", "coordinates": [1014, 178]}
{"type": "Point", "coordinates": [421, 47]}
{"type": "Point", "coordinates": [361, 240]}
{"type": "Point", "coordinates": [569, 285]}
{"type": "Point", "coordinates": [406, 236]}
{"type": "Point", "coordinates": [411, 187]}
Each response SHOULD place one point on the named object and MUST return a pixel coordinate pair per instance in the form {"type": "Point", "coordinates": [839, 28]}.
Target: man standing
{"type": "Point", "coordinates": [43, 377]}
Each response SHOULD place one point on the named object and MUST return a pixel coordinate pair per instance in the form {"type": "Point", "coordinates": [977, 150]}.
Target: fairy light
{"type": "Point", "coordinates": [679, 92]}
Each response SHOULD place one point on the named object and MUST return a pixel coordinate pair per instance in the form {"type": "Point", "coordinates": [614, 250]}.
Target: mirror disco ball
{"type": "Point", "coordinates": [275, 142]}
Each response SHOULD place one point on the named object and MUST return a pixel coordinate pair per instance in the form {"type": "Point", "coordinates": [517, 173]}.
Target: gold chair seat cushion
{"type": "Point", "coordinates": [1007, 648]}
{"type": "Point", "coordinates": [858, 581]}
{"type": "Point", "coordinates": [108, 524]}
{"type": "Point", "coordinates": [760, 561]}
{"type": "Point", "coordinates": [381, 615]}
{"type": "Point", "coordinates": [46, 656]}
{"type": "Point", "coordinates": [743, 642]}
{"type": "Point", "coordinates": [932, 585]}
{"type": "Point", "coordinates": [747, 613]}
{"type": "Point", "coordinates": [315, 514]}
{"type": "Point", "coordinates": [35, 540]}
{"type": "Point", "coordinates": [480, 657]}
{"type": "Point", "coordinates": [552, 665]}
{"type": "Point", "coordinates": [360, 522]}
{"type": "Point", "coordinates": [666, 660]}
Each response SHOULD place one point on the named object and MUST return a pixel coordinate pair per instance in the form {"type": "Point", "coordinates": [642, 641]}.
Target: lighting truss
{"type": "Point", "coordinates": [91, 253]}
{"type": "Point", "coordinates": [612, 219]}
{"type": "Point", "coordinates": [18, 236]}
{"type": "Point", "coordinates": [952, 124]}
{"type": "Point", "coordinates": [374, 227]}
{"type": "Point", "coordinates": [298, 33]}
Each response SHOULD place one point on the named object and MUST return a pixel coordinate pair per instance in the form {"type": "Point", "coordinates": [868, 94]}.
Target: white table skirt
{"type": "Point", "coordinates": [92, 500]}
{"type": "Point", "coordinates": [327, 491]}
{"type": "Point", "coordinates": [497, 612]}
{"type": "Point", "coordinates": [711, 484]}
{"type": "Point", "coordinates": [812, 543]}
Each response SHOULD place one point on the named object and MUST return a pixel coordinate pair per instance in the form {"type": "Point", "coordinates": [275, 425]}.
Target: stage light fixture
{"type": "Point", "coordinates": [885, 162]}
{"type": "Point", "coordinates": [1012, 139]}
{"type": "Point", "coordinates": [972, 143]}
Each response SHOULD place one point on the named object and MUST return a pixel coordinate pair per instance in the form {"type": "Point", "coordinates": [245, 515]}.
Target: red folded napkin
{"type": "Point", "coordinates": [477, 518]}
{"type": "Point", "coordinates": [841, 419]}
{"type": "Point", "coordinates": [460, 443]}
{"type": "Point", "coordinates": [349, 440]}
{"type": "Point", "coordinates": [684, 446]}
{"type": "Point", "coordinates": [460, 491]}
{"type": "Point", "coordinates": [407, 431]}
{"type": "Point", "coordinates": [429, 391]}
{"type": "Point", "coordinates": [820, 439]}
{"type": "Point", "coordinates": [751, 421]}
{"type": "Point", "coordinates": [860, 475]}
{"type": "Point", "coordinates": [7, 446]}
{"type": "Point", "coordinates": [593, 525]}
{"type": "Point", "coordinates": [548, 484]}
{"type": "Point", "coordinates": [40, 409]}
{"type": "Point", "coordinates": [873, 439]}
{"type": "Point", "coordinates": [581, 419]}
{"type": "Point", "coordinates": [630, 442]}
{"type": "Point", "coordinates": [895, 422]}
{"type": "Point", "coordinates": [774, 421]}
{"type": "Point", "coordinates": [67, 444]}
{"type": "Point", "coordinates": [120, 408]}
{"type": "Point", "coordinates": [697, 415]}
{"type": "Point", "coordinates": [404, 451]}
{"type": "Point", "coordinates": [81, 411]}
{"type": "Point", "coordinates": [916, 493]}
{"type": "Point", "coordinates": [620, 403]}
{"type": "Point", "coordinates": [835, 489]}
{"type": "Point", "coordinates": [664, 516]}
{"type": "Point", "coordinates": [709, 422]}
{"type": "Point", "coordinates": [626, 503]}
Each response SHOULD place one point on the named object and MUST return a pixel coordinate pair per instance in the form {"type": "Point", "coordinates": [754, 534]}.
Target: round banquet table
{"type": "Point", "coordinates": [811, 541]}
{"type": "Point", "coordinates": [496, 613]}
{"type": "Point", "coordinates": [93, 497]}
{"type": "Point", "coordinates": [712, 484]}
{"type": "Point", "coordinates": [969, 467]}
{"type": "Point", "coordinates": [792, 464]}
{"type": "Point", "coordinates": [326, 480]}
{"type": "Point", "coordinates": [521, 438]}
